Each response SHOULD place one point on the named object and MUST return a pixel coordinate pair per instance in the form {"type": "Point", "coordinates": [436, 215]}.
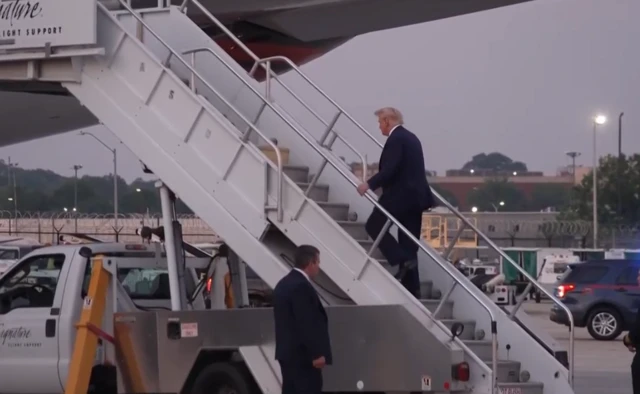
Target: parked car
{"type": "Point", "coordinates": [602, 295]}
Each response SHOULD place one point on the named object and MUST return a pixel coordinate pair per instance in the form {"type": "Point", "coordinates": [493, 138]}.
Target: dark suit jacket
{"type": "Point", "coordinates": [401, 173]}
{"type": "Point", "coordinates": [634, 332]}
{"type": "Point", "coordinates": [302, 329]}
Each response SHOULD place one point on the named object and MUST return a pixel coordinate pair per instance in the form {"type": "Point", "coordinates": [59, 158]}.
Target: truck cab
{"type": "Point", "coordinates": [41, 299]}
{"type": "Point", "coordinates": [10, 254]}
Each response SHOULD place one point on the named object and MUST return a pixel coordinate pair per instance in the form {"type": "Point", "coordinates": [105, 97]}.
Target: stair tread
{"type": "Point", "coordinates": [349, 223]}
{"type": "Point", "coordinates": [432, 301]}
{"type": "Point", "coordinates": [306, 184]}
{"type": "Point", "coordinates": [477, 341]}
{"type": "Point", "coordinates": [295, 167]}
{"type": "Point", "coordinates": [332, 204]}
{"type": "Point", "coordinates": [457, 320]}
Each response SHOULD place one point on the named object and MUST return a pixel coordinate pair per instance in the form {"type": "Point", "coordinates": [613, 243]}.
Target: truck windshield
{"type": "Point", "coordinates": [9, 254]}
{"type": "Point", "coordinates": [144, 283]}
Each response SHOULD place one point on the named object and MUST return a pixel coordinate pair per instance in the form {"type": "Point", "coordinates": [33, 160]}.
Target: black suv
{"type": "Point", "coordinates": [602, 296]}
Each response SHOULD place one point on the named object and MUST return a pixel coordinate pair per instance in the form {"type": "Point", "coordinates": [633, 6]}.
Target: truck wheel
{"type": "Point", "coordinates": [223, 378]}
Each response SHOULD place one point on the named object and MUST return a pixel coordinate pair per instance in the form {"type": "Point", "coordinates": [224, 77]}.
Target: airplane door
{"type": "Point", "coordinates": [29, 308]}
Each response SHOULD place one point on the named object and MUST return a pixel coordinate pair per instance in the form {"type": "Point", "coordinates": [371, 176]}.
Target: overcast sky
{"type": "Point", "coordinates": [522, 80]}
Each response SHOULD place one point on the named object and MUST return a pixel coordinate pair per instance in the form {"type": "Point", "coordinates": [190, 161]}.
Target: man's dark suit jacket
{"type": "Point", "coordinates": [302, 329]}
{"type": "Point", "coordinates": [401, 173]}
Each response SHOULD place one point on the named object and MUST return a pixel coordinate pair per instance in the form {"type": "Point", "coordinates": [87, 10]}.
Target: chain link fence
{"type": "Point", "coordinates": [47, 227]}
{"type": "Point", "coordinates": [519, 232]}
{"type": "Point", "coordinates": [531, 232]}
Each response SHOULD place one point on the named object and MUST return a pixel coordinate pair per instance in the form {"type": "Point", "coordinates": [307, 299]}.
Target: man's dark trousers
{"type": "Point", "coordinates": [405, 195]}
{"type": "Point", "coordinates": [300, 379]}
{"type": "Point", "coordinates": [635, 374]}
{"type": "Point", "coordinates": [403, 250]}
{"type": "Point", "coordinates": [302, 334]}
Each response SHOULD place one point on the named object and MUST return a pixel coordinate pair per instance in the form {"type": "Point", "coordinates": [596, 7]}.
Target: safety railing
{"type": "Point", "coordinates": [330, 159]}
{"type": "Point", "coordinates": [466, 224]}
{"type": "Point", "coordinates": [323, 139]}
{"type": "Point", "coordinates": [251, 125]}
{"type": "Point", "coordinates": [335, 162]}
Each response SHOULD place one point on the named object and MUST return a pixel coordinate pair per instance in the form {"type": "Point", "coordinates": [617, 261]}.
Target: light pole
{"type": "Point", "coordinates": [597, 121]}
{"type": "Point", "coordinates": [11, 172]}
{"type": "Point", "coordinates": [115, 176]}
{"type": "Point", "coordinates": [495, 208]}
{"type": "Point", "coordinates": [619, 169]}
{"type": "Point", "coordinates": [76, 167]}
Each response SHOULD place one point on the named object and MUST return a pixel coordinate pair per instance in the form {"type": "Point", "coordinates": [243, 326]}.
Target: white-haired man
{"type": "Point", "coordinates": [405, 195]}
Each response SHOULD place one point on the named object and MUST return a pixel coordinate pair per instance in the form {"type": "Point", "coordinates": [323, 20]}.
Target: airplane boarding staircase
{"type": "Point", "coordinates": [202, 128]}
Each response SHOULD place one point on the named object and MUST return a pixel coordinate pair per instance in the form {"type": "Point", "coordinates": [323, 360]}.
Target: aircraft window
{"type": "Point", "coordinates": [32, 284]}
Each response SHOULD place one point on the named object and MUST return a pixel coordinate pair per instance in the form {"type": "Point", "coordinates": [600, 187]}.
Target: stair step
{"type": "Point", "coordinates": [520, 388]}
{"type": "Point", "coordinates": [426, 289]}
{"type": "Point", "coordinates": [377, 254]}
{"type": "Point", "coordinates": [297, 173]}
{"type": "Point", "coordinates": [508, 371]}
{"type": "Point", "coordinates": [469, 331]}
{"type": "Point", "coordinates": [268, 151]}
{"type": "Point", "coordinates": [482, 348]}
{"type": "Point", "coordinates": [319, 193]}
{"type": "Point", "coordinates": [447, 309]}
{"type": "Point", "coordinates": [337, 211]}
{"type": "Point", "coordinates": [355, 229]}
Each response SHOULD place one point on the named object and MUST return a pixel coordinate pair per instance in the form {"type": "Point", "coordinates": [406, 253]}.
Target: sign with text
{"type": "Point", "coordinates": [36, 23]}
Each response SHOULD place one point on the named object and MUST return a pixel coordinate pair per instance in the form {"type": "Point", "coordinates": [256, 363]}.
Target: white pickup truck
{"type": "Point", "coordinates": [10, 254]}
{"type": "Point", "coordinates": [41, 299]}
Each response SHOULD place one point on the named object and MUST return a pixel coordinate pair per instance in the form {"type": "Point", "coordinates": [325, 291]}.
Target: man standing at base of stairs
{"type": "Point", "coordinates": [632, 342]}
{"type": "Point", "coordinates": [303, 346]}
{"type": "Point", "coordinates": [405, 195]}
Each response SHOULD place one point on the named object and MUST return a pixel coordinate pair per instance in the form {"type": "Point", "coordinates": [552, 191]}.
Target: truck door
{"type": "Point", "coordinates": [30, 298]}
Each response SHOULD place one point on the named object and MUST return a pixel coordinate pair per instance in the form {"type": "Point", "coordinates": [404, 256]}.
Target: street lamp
{"type": "Point", "coordinates": [619, 166]}
{"type": "Point", "coordinates": [115, 175]}
{"type": "Point", "coordinates": [12, 173]}
{"type": "Point", "coordinates": [495, 208]}
{"type": "Point", "coordinates": [76, 168]}
{"type": "Point", "coordinates": [138, 190]}
{"type": "Point", "coordinates": [474, 209]}
{"type": "Point", "coordinates": [599, 120]}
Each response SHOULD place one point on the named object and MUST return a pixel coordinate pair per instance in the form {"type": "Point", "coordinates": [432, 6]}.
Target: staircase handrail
{"type": "Point", "coordinates": [341, 111]}
{"type": "Point", "coordinates": [279, 164]}
{"type": "Point", "coordinates": [532, 281]}
{"type": "Point", "coordinates": [329, 126]}
{"type": "Point", "coordinates": [348, 176]}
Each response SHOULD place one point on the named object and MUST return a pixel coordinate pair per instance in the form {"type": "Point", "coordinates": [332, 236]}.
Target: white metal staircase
{"type": "Point", "coordinates": [201, 138]}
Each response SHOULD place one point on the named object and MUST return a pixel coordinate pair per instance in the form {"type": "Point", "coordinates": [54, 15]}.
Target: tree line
{"type": "Point", "coordinates": [45, 191]}
{"type": "Point", "coordinates": [618, 192]}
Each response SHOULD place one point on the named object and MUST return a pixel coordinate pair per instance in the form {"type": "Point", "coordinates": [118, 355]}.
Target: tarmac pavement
{"type": "Point", "coordinates": [602, 367]}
